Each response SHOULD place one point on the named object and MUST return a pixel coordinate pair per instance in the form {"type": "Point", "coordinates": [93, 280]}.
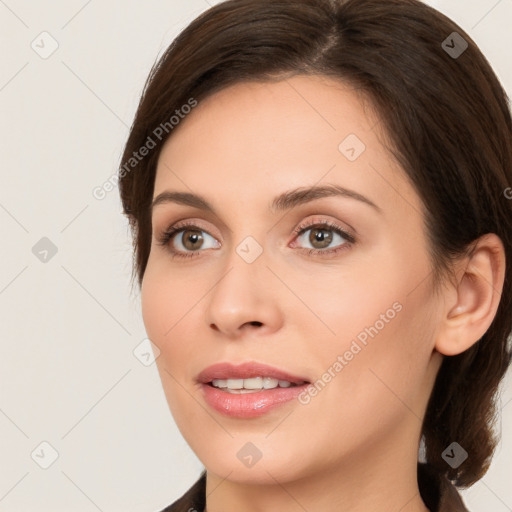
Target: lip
{"type": "Point", "coordinates": [248, 405]}
{"type": "Point", "coordinates": [246, 371]}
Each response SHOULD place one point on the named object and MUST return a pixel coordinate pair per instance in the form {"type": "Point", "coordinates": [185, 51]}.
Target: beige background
{"type": "Point", "coordinates": [69, 326]}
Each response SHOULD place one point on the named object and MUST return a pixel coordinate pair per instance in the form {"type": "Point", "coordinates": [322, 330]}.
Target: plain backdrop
{"type": "Point", "coordinates": [84, 424]}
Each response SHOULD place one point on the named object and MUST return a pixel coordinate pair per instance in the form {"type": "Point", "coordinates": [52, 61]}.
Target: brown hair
{"type": "Point", "coordinates": [449, 125]}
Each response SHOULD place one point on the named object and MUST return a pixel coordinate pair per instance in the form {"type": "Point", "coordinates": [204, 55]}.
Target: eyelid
{"type": "Point", "coordinates": [322, 222]}
{"type": "Point", "coordinates": [311, 222]}
{"type": "Point", "coordinates": [185, 223]}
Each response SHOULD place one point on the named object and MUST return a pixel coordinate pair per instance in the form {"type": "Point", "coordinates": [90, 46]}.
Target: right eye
{"type": "Point", "coordinates": [189, 239]}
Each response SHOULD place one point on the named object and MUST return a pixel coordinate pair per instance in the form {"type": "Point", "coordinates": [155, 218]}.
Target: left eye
{"type": "Point", "coordinates": [321, 236]}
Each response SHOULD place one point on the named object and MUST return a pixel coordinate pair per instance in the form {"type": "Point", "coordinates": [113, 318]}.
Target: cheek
{"type": "Point", "coordinates": [154, 297]}
{"type": "Point", "coordinates": [378, 318]}
{"type": "Point", "coordinates": [388, 368]}
{"type": "Point", "coordinates": [166, 300]}
{"type": "Point", "coordinates": [164, 306]}
{"type": "Point", "coordinates": [340, 302]}
{"type": "Point", "coordinates": [171, 321]}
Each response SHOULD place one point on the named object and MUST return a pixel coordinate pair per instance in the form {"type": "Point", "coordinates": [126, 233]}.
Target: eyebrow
{"type": "Point", "coordinates": [282, 202]}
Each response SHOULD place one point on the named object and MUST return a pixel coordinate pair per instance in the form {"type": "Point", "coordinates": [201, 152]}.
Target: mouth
{"type": "Point", "coordinates": [252, 384]}
{"type": "Point", "coordinates": [249, 376]}
{"type": "Point", "coordinates": [249, 389]}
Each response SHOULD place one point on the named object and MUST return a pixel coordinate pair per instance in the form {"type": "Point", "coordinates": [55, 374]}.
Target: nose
{"type": "Point", "coordinates": [245, 300]}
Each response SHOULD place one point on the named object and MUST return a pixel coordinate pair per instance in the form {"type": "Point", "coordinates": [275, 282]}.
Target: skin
{"type": "Point", "coordinates": [354, 446]}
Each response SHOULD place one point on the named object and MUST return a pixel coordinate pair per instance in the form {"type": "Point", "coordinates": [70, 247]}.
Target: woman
{"type": "Point", "coordinates": [319, 193]}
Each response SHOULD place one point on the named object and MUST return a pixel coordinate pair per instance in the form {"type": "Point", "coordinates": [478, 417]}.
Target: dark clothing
{"type": "Point", "coordinates": [438, 494]}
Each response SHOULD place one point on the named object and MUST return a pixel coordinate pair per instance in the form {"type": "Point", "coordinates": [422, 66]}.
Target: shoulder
{"type": "Point", "coordinates": [438, 493]}
{"type": "Point", "coordinates": [194, 500]}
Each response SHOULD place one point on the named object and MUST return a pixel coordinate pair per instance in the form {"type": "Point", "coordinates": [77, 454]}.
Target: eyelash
{"type": "Point", "coordinates": [168, 235]}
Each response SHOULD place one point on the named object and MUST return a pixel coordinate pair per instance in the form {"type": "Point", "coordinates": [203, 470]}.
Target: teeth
{"type": "Point", "coordinates": [250, 385]}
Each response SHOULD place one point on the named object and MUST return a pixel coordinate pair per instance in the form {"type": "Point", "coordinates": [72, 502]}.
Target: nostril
{"type": "Point", "coordinates": [255, 323]}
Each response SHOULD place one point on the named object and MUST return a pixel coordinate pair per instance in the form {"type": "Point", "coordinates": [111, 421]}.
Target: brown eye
{"type": "Point", "coordinates": [319, 236]}
{"type": "Point", "coordinates": [187, 240]}
{"type": "Point", "coordinates": [191, 239]}
{"type": "Point", "coordinates": [322, 235]}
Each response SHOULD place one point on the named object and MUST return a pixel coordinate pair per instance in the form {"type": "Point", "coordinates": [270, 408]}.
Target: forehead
{"type": "Point", "coordinates": [254, 139]}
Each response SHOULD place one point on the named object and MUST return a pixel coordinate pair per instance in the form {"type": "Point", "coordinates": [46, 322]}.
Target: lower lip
{"type": "Point", "coordinates": [249, 405]}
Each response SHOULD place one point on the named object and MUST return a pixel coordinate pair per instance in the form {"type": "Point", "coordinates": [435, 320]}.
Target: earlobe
{"type": "Point", "coordinates": [477, 297]}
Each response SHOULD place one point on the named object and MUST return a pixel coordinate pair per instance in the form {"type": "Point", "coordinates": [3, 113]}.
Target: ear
{"type": "Point", "coordinates": [472, 302]}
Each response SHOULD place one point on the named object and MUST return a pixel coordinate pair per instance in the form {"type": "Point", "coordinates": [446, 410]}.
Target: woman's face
{"type": "Point", "coordinates": [353, 314]}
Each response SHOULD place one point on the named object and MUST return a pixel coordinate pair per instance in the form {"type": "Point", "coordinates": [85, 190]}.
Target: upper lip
{"type": "Point", "coordinates": [246, 371]}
